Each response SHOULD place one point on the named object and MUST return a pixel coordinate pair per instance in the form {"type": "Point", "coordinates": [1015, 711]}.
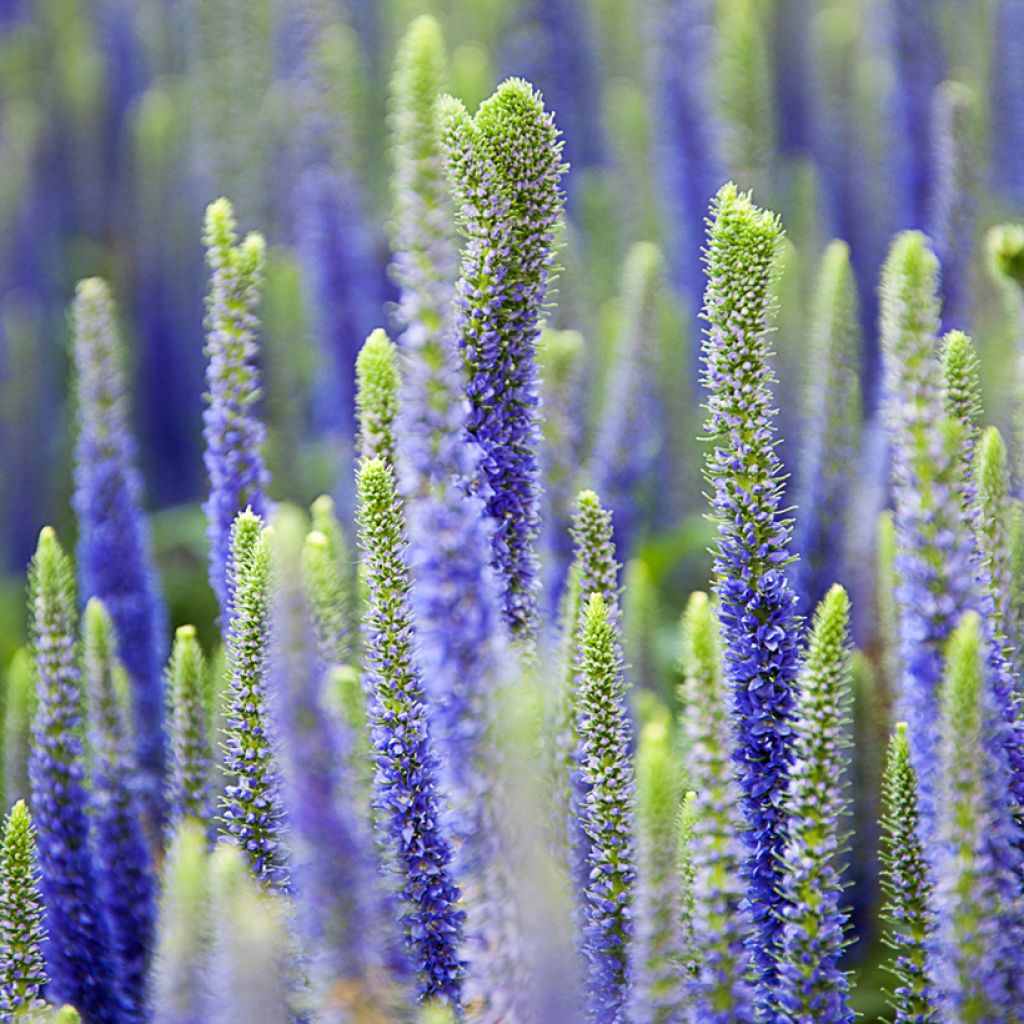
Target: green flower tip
{"type": "Point", "coordinates": [321, 509]}
{"type": "Point", "coordinates": [1005, 245]}
{"type": "Point", "coordinates": [65, 1015]}
{"type": "Point", "coordinates": [92, 291]}
{"type": "Point", "coordinates": [734, 213]}
{"type": "Point", "coordinates": [220, 232]}
{"type": "Point", "coordinates": [963, 671]}
{"type": "Point", "coordinates": [992, 463]}
{"type": "Point", "coordinates": [912, 258]}
{"type": "Point", "coordinates": [424, 40]}
{"type": "Point", "coordinates": [185, 634]}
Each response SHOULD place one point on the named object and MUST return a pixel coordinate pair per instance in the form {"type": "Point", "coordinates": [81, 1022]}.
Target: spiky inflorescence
{"type": "Point", "coordinates": [19, 710]}
{"type": "Point", "coordinates": [935, 578]}
{"type": "Point", "coordinates": [251, 805]}
{"type": "Point", "coordinates": [630, 435]}
{"type": "Point", "coordinates": [178, 978]}
{"type": "Point", "coordinates": [832, 429]}
{"type": "Point", "coordinates": [812, 988]}
{"type": "Point", "coordinates": [505, 167]}
{"type": "Point", "coordinates": [331, 850]}
{"type": "Point", "coordinates": [659, 986]}
{"type": "Point", "coordinates": [249, 970]}
{"type": "Point", "coordinates": [426, 259]}
{"type": "Point", "coordinates": [757, 605]}
{"type": "Point", "coordinates": [124, 868]}
{"type": "Point", "coordinates": [915, 41]}
{"type": "Point", "coordinates": [908, 909]}
{"type": "Point", "coordinates": [115, 562]}
{"type": "Point", "coordinates": [962, 393]}
{"type": "Point", "coordinates": [377, 387]}
{"type": "Point", "coordinates": [232, 433]}
{"type": "Point", "coordinates": [718, 990]}
{"type": "Point", "coordinates": [191, 760]}
{"type": "Point", "coordinates": [405, 781]}
{"type": "Point", "coordinates": [979, 908]}
{"type": "Point", "coordinates": [993, 525]}
{"type": "Point", "coordinates": [81, 961]}
{"type": "Point", "coordinates": [22, 968]}
{"type": "Point", "coordinates": [886, 606]}
{"type": "Point", "coordinates": [594, 571]}
{"type": "Point", "coordinates": [325, 563]}
{"type": "Point", "coordinates": [562, 395]}
{"type": "Point", "coordinates": [602, 723]}
{"type": "Point", "coordinates": [1007, 97]}
{"type": "Point", "coordinates": [953, 212]}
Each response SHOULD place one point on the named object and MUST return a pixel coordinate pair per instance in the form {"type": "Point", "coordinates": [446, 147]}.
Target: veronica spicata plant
{"type": "Point", "coordinates": [757, 606]}
{"type": "Point", "coordinates": [505, 166]}
{"type": "Point", "coordinates": [812, 986]}
{"type": "Point", "coordinates": [83, 965]}
{"type": "Point", "coordinates": [406, 777]}
{"type": "Point", "coordinates": [233, 434]}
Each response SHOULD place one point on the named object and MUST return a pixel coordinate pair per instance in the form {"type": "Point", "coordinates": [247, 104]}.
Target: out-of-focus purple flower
{"type": "Point", "coordinates": [1007, 98]}
{"type": "Point", "coordinates": [124, 864]}
{"type": "Point", "coordinates": [915, 41]}
{"type": "Point", "coordinates": [953, 204]}
{"type": "Point", "coordinates": [831, 431]}
{"type": "Point", "coordinates": [332, 856]}
{"type": "Point", "coordinates": [687, 131]}
{"type": "Point", "coordinates": [115, 562]}
{"type": "Point", "coordinates": [631, 428]}
{"type": "Point", "coordinates": [231, 430]}
{"type": "Point", "coordinates": [757, 606]}
{"type": "Point", "coordinates": [505, 165]}
{"type": "Point", "coordinates": [406, 778]}
{"type": "Point", "coordinates": [718, 989]}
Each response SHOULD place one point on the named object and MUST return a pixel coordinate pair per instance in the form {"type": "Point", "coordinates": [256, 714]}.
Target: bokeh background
{"type": "Point", "coordinates": [120, 121]}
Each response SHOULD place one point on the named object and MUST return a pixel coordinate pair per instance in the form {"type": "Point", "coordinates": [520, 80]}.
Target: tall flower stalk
{"type": "Point", "coordinates": [191, 759]}
{"type": "Point", "coordinates": [377, 394]}
{"type": "Point", "coordinates": [233, 434]}
{"type": "Point", "coordinates": [22, 968]}
{"type": "Point", "coordinates": [659, 995]}
{"type": "Point", "coordinates": [718, 990]}
{"type": "Point", "coordinates": [603, 726]}
{"type": "Point", "coordinates": [935, 577]}
{"type": "Point", "coordinates": [406, 778]}
{"type": "Point", "coordinates": [331, 851]}
{"type": "Point", "coordinates": [124, 864]}
{"type": "Point", "coordinates": [505, 167]}
{"type": "Point", "coordinates": [979, 906]}
{"type": "Point", "coordinates": [757, 606]}
{"type": "Point", "coordinates": [82, 962]}
{"type": "Point", "coordinates": [115, 561]}
{"type": "Point", "coordinates": [908, 910]}
{"type": "Point", "coordinates": [812, 986]}
{"type": "Point", "coordinates": [251, 811]}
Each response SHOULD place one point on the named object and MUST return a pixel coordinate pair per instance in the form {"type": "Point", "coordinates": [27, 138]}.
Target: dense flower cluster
{"type": "Point", "coordinates": [439, 760]}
